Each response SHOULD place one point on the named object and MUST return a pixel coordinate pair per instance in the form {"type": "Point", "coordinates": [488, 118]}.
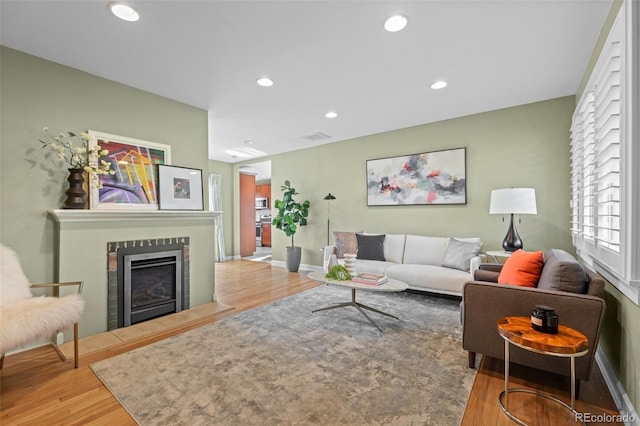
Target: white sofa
{"type": "Point", "coordinates": [418, 261]}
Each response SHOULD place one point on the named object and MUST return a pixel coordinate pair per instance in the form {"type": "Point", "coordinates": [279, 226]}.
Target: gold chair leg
{"type": "Point", "coordinates": [75, 345]}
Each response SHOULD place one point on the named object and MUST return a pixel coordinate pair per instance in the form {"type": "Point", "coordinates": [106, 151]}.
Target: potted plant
{"type": "Point", "coordinates": [289, 217]}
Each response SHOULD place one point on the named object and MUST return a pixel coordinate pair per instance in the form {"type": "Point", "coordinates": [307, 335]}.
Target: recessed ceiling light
{"type": "Point", "coordinates": [439, 85]}
{"type": "Point", "coordinates": [253, 152]}
{"type": "Point", "coordinates": [395, 23]}
{"type": "Point", "coordinates": [264, 82]}
{"type": "Point", "coordinates": [331, 114]}
{"type": "Point", "coordinates": [236, 153]}
{"type": "Point", "coordinates": [244, 152]}
{"type": "Point", "coordinates": [124, 12]}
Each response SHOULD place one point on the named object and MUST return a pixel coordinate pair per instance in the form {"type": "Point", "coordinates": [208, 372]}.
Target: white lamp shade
{"type": "Point", "coordinates": [513, 201]}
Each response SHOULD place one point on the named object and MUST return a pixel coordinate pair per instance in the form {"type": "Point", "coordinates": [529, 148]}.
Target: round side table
{"type": "Point", "coordinates": [568, 343]}
{"type": "Point", "coordinates": [499, 254]}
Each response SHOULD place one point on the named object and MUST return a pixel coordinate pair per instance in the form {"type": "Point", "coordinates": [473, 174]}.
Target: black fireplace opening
{"type": "Point", "coordinates": [150, 283]}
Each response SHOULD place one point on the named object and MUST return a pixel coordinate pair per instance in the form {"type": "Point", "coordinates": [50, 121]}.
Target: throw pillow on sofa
{"type": "Point", "coordinates": [562, 272]}
{"type": "Point", "coordinates": [459, 254]}
{"type": "Point", "coordinates": [522, 268]}
{"type": "Point", "coordinates": [346, 242]}
{"type": "Point", "coordinates": [370, 247]}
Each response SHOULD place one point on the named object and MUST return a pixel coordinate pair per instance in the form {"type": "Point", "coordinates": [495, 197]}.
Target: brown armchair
{"type": "Point", "coordinates": [484, 301]}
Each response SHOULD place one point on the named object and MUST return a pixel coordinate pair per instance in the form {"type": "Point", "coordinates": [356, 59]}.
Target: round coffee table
{"type": "Point", "coordinates": [390, 286]}
{"type": "Point", "coordinates": [568, 343]}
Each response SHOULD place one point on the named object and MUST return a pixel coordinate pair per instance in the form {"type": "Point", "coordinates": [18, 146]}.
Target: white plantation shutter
{"type": "Point", "coordinates": [583, 166]}
{"type": "Point", "coordinates": [607, 148]}
{"type": "Point", "coordinates": [604, 190]}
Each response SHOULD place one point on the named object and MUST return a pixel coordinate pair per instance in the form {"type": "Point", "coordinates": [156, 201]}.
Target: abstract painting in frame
{"type": "Point", "coordinates": [135, 162]}
{"type": "Point", "coordinates": [180, 188]}
{"type": "Point", "coordinates": [437, 177]}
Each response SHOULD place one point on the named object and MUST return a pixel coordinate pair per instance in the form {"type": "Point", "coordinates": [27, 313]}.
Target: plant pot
{"type": "Point", "coordinates": [293, 256]}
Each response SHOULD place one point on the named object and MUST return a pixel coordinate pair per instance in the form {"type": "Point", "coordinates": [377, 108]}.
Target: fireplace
{"type": "Point", "coordinates": [147, 279]}
{"type": "Point", "coordinates": [152, 285]}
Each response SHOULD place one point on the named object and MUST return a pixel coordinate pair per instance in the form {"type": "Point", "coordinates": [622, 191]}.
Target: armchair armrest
{"type": "Point", "coordinates": [493, 267]}
{"type": "Point", "coordinates": [487, 272]}
{"type": "Point", "coordinates": [56, 286]}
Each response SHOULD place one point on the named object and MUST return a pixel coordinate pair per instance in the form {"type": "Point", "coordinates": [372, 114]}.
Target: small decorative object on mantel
{"type": "Point", "coordinates": [76, 195]}
{"type": "Point", "coordinates": [74, 151]}
{"type": "Point", "coordinates": [180, 188]}
{"type": "Point", "coordinates": [544, 319]}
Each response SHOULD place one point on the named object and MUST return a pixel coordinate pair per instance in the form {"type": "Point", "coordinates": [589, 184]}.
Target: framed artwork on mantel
{"type": "Point", "coordinates": [135, 162]}
{"type": "Point", "coordinates": [437, 177]}
{"type": "Point", "coordinates": [180, 188]}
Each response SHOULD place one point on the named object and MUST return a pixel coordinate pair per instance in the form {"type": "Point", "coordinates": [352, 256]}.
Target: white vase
{"type": "Point", "coordinates": [350, 263]}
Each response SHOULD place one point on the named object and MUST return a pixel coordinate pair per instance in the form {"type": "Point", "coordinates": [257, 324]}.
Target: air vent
{"type": "Point", "coordinates": [317, 136]}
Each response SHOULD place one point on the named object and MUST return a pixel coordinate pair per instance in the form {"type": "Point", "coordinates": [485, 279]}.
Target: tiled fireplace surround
{"type": "Point", "coordinates": [81, 239]}
{"type": "Point", "coordinates": [114, 304]}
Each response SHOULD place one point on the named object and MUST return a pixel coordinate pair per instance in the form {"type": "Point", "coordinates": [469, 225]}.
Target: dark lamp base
{"type": "Point", "coordinates": [512, 241]}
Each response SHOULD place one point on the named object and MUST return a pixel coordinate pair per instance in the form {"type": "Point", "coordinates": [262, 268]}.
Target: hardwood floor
{"type": "Point", "coordinates": [36, 388]}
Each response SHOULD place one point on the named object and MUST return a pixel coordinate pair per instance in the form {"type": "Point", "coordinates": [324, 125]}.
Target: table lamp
{"type": "Point", "coordinates": [513, 201]}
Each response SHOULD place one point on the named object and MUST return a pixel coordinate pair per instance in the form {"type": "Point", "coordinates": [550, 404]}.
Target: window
{"type": "Point", "coordinates": [605, 182]}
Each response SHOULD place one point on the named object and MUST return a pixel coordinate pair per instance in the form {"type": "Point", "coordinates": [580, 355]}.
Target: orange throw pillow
{"type": "Point", "coordinates": [522, 269]}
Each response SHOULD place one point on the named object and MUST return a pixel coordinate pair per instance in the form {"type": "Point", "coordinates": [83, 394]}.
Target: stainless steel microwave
{"type": "Point", "coordinates": [262, 203]}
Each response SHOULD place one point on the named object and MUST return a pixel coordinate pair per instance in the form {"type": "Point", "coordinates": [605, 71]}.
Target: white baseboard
{"type": "Point", "coordinates": [628, 413]}
{"type": "Point", "coordinates": [303, 266]}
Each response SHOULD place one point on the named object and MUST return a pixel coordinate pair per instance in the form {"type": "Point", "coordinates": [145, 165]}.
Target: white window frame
{"type": "Point", "coordinates": [622, 267]}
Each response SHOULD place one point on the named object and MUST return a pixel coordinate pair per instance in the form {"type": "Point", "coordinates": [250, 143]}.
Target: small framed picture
{"type": "Point", "coordinates": [179, 188]}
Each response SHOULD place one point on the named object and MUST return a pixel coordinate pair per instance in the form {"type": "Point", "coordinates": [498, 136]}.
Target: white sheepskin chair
{"type": "Point", "coordinates": [24, 318]}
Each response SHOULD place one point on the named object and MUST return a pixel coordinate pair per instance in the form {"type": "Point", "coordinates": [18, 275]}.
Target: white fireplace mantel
{"type": "Point", "coordinates": [69, 216]}
{"type": "Point", "coordinates": [81, 248]}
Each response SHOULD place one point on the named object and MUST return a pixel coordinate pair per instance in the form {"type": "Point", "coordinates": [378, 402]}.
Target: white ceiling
{"type": "Point", "coordinates": [322, 55]}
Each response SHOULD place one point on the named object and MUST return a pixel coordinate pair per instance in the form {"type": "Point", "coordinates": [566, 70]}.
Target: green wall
{"type": "Point", "coordinates": [38, 93]}
{"type": "Point", "coordinates": [622, 318]}
{"type": "Point", "coordinates": [524, 146]}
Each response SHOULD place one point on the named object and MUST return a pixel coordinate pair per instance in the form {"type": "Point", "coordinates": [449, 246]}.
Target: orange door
{"type": "Point", "coordinates": [247, 214]}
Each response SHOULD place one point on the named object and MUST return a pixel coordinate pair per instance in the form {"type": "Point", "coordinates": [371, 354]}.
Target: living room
{"type": "Point", "coordinates": [519, 146]}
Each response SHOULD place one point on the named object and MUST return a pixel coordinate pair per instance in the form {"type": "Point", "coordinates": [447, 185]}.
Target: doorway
{"type": "Point", "coordinates": [255, 211]}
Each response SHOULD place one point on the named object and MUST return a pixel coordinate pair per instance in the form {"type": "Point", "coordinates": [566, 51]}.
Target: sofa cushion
{"type": "Point", "coordinates": [430, 277]}
{"type": "Point", "coordinates": [562, 272]}
{"type": "Point", "coordinates": [421, 250]}
{"type": "Point", "coordinates": [394, 247]}
{"type": "Point", "coordinates": [522, 268]}
{"type": "Point", "coordinates": [370, 247]}
{"type": "Point", "coordinates": [459, 254]}
{"type": "Point", "coordinates": [373, 266]}
{"type": "Point", "coordinates": [346, 242]}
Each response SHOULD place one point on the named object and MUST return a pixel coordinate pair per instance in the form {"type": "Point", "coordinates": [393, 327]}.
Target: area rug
{"type": "Point", "coordinates": [281, 364]}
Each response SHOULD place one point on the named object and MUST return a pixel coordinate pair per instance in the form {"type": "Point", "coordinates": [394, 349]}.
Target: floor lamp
{"type": "Point", "coordinates": [329, 197]}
